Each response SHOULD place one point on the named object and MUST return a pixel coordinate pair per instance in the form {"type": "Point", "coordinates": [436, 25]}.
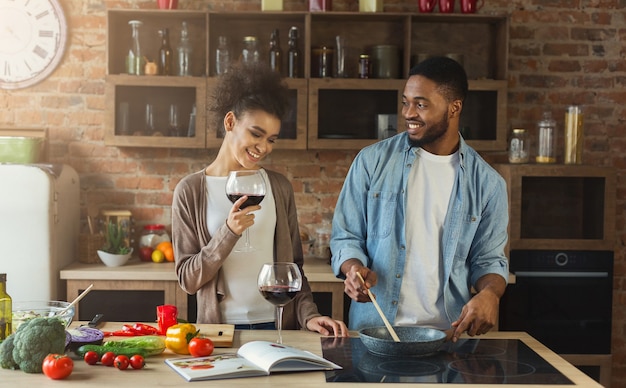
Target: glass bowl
{"type": "Point", "coordinates": [24, 311]}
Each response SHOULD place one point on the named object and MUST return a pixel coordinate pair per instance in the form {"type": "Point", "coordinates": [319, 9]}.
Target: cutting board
{"type": "Point", "coordinates": [221, 334]}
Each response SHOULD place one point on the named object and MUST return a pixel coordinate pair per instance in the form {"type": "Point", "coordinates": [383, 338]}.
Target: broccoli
{"type": "Point", "coordinates": [6, 353]}
{"type": "Point", "coordinates": [33, 343]}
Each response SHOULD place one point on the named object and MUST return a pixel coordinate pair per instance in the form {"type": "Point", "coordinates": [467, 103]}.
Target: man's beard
{"type": "Point", "coordinates": [432, 134]}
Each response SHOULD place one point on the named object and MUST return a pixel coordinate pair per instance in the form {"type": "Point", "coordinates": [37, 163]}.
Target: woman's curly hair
{"type": "Point", "coordinates": [246, 88]}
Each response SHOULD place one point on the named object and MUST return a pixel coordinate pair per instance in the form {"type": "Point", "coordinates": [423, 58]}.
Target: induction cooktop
{"type": "Point", "coordinates": [469, 361]}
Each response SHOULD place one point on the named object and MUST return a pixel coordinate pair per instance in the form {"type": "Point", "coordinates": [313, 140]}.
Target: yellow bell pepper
{"type": "Point", "coordinates": [178, 336]}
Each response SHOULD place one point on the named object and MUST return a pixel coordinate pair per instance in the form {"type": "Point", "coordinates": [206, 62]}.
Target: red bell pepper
{"type": "Point", "coordinates": [133, 330]}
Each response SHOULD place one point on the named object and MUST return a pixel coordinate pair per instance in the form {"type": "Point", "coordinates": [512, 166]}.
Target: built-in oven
{"type": "Point", "coordinates": [562, 298]}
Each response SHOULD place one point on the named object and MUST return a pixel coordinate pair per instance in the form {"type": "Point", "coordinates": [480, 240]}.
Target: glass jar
{"type": "Point", "coordinates": [250, 52]}
{"type": "Point", "coordinates": [573, 135]}
{"type": "Point", "coordinates": [546, 145]}
{"type": "Point", "coordinates": [321, 249]}
{"type": "Point", "coordinates": [151, 236]}
{"type": "Point", "coordinates": [518, 147]}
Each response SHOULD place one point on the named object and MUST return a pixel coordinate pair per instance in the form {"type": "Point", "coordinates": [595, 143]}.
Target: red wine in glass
{"type": "Point", "coordinates": [251, 201]}
{"type": "Point", "coordinates": [278, 295]}
{"type": "Point", "coordinates": [252, 184]}
{"type": "Point", "coordinates": [279, 283]}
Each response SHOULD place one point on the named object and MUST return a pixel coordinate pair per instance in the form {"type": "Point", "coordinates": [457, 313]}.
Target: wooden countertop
{"type": "Point", "coordinates": [315, 270]}
{"type": "Point", "coordinates": [158, 374]}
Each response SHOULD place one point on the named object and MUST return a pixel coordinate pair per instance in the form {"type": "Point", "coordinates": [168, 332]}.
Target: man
{"type": "Point", "coordinates": [423, 218]}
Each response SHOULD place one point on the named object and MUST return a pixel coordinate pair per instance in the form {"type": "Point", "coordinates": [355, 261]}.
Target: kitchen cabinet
{"type": "Point", "coordinates": [326, 113]}
{"type": "Point", "coordinates": [560, 206]}
{"type": "Point", "coordinates": [130, 99]}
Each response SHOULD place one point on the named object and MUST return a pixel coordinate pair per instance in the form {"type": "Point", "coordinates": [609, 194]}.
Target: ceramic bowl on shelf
{"type": "Point", "coordinates": [113, 260]}
{"type": "Point", "coordinates": [24, 311]}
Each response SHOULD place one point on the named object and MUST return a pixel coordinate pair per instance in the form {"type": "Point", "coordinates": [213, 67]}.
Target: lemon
{"type": "Point", "coordinates": [158, 256]}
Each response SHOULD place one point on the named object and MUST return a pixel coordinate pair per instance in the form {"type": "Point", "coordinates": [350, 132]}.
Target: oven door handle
{"type": "Point", "coordinates": [562, 274]}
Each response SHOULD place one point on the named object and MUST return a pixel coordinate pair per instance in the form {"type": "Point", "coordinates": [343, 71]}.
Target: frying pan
{"type": "Point", "coordinates": [414, 340]}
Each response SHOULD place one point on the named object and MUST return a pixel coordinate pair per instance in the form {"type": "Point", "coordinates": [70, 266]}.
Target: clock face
{"type": "Point", "coordinates": [33, 34]}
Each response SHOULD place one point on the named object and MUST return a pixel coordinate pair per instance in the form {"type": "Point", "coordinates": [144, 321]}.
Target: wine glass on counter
{"type": "Point", "coordinates": [279, 283]}
{"type": "Point", "coordinates": [252, 184]}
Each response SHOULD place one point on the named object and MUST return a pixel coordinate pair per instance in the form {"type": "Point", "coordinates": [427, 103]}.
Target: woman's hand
{"type": "Point", "coordinates": [241, 219]}
{"type": "Point", "coordinates": [327, 326]}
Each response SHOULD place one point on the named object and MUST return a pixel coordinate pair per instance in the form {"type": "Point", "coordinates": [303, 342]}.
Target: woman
{"type": "Point", "coordinates": [250, 102]}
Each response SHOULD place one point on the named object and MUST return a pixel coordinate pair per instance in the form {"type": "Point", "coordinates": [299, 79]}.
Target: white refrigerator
{"type": "Point", "coordinates": [39, 228]}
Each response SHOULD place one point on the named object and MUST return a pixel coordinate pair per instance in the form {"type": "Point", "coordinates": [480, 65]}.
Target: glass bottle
{"type": "Point", "coordinates": [134, 59]}
{"type": "Point", "coordinates": [184, 52]}
{"type": "Point", "coordinates": [6, 309]}
{"type": "Point", "coordinates": [222, 56]}
{"type": "Point", "coordinates": [293, 55]}
{"type": "Point", "coordinates": [546, 144]}
{"type": "Point", "coordinates": [165, 54]}
{"type": "Point", "coordinates": [250, 52]}
{"type": "Point", "coordinates": [518, 147]}
{"type": "Point", "coordinates": [275, 55]}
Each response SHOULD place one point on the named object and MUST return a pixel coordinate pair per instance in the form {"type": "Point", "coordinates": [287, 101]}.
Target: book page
{"type": "Point", "coordinates": [273, 357]}
{"type": "Point", "coordinates": [219, 366]}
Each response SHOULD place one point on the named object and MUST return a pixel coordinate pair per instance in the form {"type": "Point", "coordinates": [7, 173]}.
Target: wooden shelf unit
{"type": "Point", "coordinates": [351, 122]}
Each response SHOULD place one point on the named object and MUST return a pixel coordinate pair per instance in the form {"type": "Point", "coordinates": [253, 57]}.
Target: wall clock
{"type": "Point", "coordinates": [33, 35]}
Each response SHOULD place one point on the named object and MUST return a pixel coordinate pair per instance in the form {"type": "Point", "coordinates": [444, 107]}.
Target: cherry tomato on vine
{"type": "Point", "coordinates": [57, 366]}
{"type": "Point", "coordinates": [137, 361]}
{"type": "Point", "coordinates": [91, 357]}
{"type": "Point", "coordinates": [108, 358]}
{"type": "Point", "coordinates": [200, 346]}
{"type": "Point", "coordinates": [121, 362]}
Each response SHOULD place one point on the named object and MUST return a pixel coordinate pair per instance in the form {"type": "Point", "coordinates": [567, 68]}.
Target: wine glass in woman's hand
{"type": "Point", "coordinates": [250, 183]}
{"type": "Point", "coordinates": [279, 283]}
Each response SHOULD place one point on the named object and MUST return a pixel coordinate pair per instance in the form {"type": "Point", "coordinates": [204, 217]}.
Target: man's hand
{"type": "Point", "coordinates": [353, 287]}
{"type": "Point", "coordinates": [480, 314]}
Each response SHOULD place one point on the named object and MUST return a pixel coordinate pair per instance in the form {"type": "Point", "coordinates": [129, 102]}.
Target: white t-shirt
{"type": "Point", "coordinates": [429, 189]}
{"type": "Point", "coordinates": [243, 303]}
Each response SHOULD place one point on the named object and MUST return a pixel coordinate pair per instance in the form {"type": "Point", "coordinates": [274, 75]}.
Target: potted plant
{"type": "Point", "coordinates": [115, 251]}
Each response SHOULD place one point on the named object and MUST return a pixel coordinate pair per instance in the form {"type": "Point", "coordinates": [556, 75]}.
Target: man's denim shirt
{"type": "Point", "coordinates": [369, 225]}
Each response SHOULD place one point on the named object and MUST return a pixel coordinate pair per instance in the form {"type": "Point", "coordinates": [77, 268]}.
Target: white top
{"type": "Point", "coordinates": [428, 192]}
{"type": "Point", "coordinates": [243, 303]}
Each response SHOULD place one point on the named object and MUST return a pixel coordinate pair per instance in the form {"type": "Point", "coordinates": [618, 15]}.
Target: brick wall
{"type": "Point", "coordinates": [561, 52]}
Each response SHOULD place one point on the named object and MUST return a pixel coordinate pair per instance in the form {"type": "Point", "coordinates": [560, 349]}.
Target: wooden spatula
{"type": "Point", "coordinates": [380, 312]}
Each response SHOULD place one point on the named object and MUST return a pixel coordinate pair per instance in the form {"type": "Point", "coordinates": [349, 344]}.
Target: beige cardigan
{"type": "Point", "coordinates": [199, 256]}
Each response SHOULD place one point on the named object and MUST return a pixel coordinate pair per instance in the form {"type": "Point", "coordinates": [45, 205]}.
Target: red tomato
{"type": "Point", "coordinates": [57, 366]}
{"type": "Point", "coordinates": [200, 346]}
{"type": "Point", "coordinates": [108, 358]}
{"type": "Point", "coordinates": [91, 357]}
{"type": "Point", "coordinates": [137, 361]}
{"type": "Point", "coordinates": [121, 362]}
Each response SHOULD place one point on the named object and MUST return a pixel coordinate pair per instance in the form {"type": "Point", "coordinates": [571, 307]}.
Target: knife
{"type": "Point", "coordinates": [96, 320]}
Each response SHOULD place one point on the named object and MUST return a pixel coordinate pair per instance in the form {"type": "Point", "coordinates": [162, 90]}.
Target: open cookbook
{"type": "Point", "coordinates": [256, 358]}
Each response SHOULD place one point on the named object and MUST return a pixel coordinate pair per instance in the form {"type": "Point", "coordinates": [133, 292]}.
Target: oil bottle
{"type": "Point", "coordinates": [6, 309]}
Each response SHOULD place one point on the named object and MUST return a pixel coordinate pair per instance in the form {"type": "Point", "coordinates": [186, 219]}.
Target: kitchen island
{"type": "Point", "coordinates": [158, 374]}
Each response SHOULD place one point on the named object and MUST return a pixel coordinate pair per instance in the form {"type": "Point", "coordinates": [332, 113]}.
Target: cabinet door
{"type": "Point", "coordinates": [131, 100]}
{"type": "Point", "coordinates": [483, 119]}
{"type": "Point", "coordinates": [345, 114]}
{"type": "Point", "coordinates": [293, 128]}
